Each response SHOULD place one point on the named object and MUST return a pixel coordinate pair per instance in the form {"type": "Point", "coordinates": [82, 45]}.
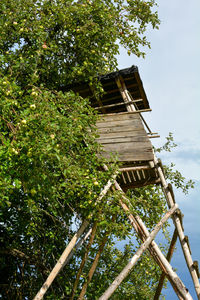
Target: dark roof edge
{"type": "Point", "coordinates": [131, 70]}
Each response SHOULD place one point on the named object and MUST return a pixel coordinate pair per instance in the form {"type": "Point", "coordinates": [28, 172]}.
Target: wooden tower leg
{"type": "Point", "coordinates": [155, 251]}
{"type": "Point", "coordinates": [95, 263]}
{"type": "Point", "coordinates": [94, 229]}
{"type": "Point", "coordinates": [177, 223]}
{"type": "Point", "coordinates": [137, 255]}
{"type": "Point", "coordinates": [78, 245]}
{"type": "Point", "coordinates": [62, 260]}
{"type": "Point", "coordinates": [168, 257]}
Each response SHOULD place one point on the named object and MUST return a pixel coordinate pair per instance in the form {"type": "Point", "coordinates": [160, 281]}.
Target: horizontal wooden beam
{"type": "Point", "coordinates": [153, 136]}
{"type": "Point", "coordinates": [118, 104]}
{"type": "Point", "coordinates": [138, 184]}
{"type": "Point", "coordinates": [130, 112]}
{"type": "Point", "coordinates": [135, 168]}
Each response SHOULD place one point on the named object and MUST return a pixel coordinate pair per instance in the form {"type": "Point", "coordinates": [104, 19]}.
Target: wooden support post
{"type": "Point", "coordinates": [168, 257]}
{"type": "Point", "coordinates": [128, 98]}
{"type": "Point", "coordinates": [177, 223]}
{"type": "Point", "coordinates": [196, 267]}
{"type": "Point", "coordinates": [187, 241]}
{"type": "Point", "coordinates": [78, 245]}
{"type": "Point", "coordinates": [142, 231]}
{"type": "Point", "coordinates": [61, 262]}
{"type": "Point", "coordinates": [94, 229]}
{"type": "Point", "coordinates": [124, 93]}
{"type": "Point", "coordinates": [137, 255]}
{"type": "Point", "coordinates": [94, 264]}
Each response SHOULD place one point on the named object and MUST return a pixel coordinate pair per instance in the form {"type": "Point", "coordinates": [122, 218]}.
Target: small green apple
{"type": "Point", "coordinates": [33, 192]}
{"type": "Point", "coordinates": [24, 122]}
{"type": "Point", "coordinates": [34, 93]}
{"type": "Point", "coordinates": [32, 106]}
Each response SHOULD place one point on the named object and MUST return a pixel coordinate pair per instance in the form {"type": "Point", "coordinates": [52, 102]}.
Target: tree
{"type": "Point", "coordinates": [49, 177]}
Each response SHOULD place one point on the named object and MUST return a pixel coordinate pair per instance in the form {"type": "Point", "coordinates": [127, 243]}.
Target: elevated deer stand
{"type": "Point", "coordinates": [122, 131]}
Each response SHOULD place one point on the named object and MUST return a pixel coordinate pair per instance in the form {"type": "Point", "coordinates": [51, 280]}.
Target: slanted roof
{"type": "Point", "coordinates": [112, 96]}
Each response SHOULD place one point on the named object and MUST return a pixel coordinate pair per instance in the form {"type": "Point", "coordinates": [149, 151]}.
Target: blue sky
{"type": "Point", "coordinates": [171, 78]}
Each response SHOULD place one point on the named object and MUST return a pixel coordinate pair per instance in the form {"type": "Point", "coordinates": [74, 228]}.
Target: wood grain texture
{"type": "Point", "coordinates": [119, 117]}
{"type": "Point", "coordinates": [124, 136]}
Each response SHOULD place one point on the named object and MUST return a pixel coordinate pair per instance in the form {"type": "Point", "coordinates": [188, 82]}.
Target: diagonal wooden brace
{"type": "Point", "coordinates": [136, 256]}
{"type": "Point", "coordinates": [63, 258]}
{"type": "Point", "coordinates": [168, 257]}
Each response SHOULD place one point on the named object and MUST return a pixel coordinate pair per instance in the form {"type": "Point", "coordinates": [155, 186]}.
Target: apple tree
{"type": "Point", "coordinates": [50, 170]}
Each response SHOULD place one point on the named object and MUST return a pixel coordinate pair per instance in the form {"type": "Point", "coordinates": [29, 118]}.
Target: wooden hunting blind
{"type": "Point", "coordinates": [121, 126]}
{"type": "Point", "coordinates": [124, 132]}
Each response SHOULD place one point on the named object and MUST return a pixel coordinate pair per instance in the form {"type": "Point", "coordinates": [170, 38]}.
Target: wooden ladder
{"type": "Point", "coordinates": [179, 231]}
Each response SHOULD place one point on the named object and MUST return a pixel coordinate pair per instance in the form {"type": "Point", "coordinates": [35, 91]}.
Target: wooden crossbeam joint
{"type": "Point", "coordinates": [180, 215]}
{"type": "Point", "coordinates": [186, 239]}
{"type": "Point", "coordinates": [171, 191]}
{"type": "Point", "coordinates": [161, 166]}
{"type": "Point", "coordinates": [196, 267]}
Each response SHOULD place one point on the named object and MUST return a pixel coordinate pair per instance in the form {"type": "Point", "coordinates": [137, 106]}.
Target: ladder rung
{"type": "Point", "coordinates": [196, 267]}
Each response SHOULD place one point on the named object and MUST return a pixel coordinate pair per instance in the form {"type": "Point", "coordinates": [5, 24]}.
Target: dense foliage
{"type": "Point", "coordinates": [50, 170]}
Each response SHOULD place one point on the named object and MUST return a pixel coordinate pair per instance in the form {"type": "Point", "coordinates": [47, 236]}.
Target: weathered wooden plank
{"type": "Point", "coordinates": [123, 147]}
{"type": "Point", "coordinates": [132, 157]}
{"type": "Point", "coordinates": [139, 132]}
{"type": "Point", "coordinates": [124, 135]}
{"type": "Point", "coordinates": [131, 169]}
{"type": "Point", "coordinates": [119, 129]}
{"type": "Point", "coordinates": [134, 139]}
{"type": "Point", "coordinates": [129, 122]}
{"type": "Point", "coordinates": [118, 117]}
